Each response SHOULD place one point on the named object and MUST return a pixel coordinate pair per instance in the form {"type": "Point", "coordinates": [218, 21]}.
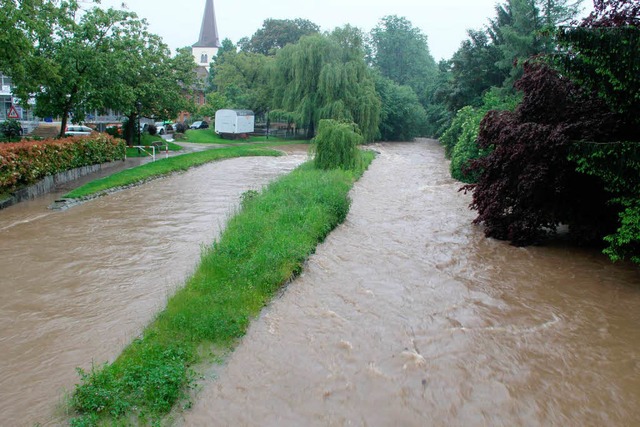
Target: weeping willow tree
{"type": "Point", "coordinates": [326, 77]}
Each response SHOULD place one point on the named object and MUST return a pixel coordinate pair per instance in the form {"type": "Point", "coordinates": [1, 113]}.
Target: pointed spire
{"type": "Point", "coordinates": [209, 30]}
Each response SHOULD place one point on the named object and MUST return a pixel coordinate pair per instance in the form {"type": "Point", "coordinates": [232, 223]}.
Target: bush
{"type": "Point", "coordinates": [460, 140]}
{"type": "Point", "coordinates": [152, 129]}
{"type": "Point", "coordinates": [180, 128]}
{"type": "Point", "coordinates": [336, 145]}
{"type": "Point", "coordinates": [25, 163]}
{"type": "Point", "coordinates": [466, 147]}
{"type": "Point", "coordinates": [451, 136]}
{"type": "Point", "coordinates": [10, 130]}
{"type": "Point", "coordinates": [528, 184]}
{"type": "Point", "coordinates": [114, 131]}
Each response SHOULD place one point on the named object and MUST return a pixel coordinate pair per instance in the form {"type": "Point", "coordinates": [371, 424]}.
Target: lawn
{"type": "Point", "coordinates": [208, 136]}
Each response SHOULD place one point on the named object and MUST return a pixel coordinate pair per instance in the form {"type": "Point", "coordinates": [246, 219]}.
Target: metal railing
{"type": "Point", "coordinates": [144, 149]}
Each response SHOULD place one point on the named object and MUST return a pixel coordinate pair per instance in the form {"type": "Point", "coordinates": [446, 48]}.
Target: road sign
{"type": "Point", "coordinates": [13, 113]}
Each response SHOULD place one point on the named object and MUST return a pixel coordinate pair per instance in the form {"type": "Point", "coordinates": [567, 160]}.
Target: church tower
{"type": "Point", "coordinates": [207, 46]}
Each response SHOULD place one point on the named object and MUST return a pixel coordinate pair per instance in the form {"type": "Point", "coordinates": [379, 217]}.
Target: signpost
{"type": "Point", "coordinates": [13, 113]}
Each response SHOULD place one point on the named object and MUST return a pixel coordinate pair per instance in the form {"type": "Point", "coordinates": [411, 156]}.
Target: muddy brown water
{"type": "Point", "coordinates": [406, 315]}
{"type": "Point", "coordinates": [78, 285]}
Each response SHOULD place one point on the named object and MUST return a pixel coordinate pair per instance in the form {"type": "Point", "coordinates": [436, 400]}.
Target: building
{"type": "Point", "coordinates": [5, 97]}
{"type": "Point", "coordinates": [207, 45]}
{"type": "Point", "coordinates": [10, 107]}
{"type": "Point", "coordinates": [203, 51]}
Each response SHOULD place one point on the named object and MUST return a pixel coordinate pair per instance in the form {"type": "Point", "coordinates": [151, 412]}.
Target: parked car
{"type": "Point", "coordinates": [77, 130]}
{"type": "Point", "coordinates": [200, 124]}
{"type": "Point", "coordinates": [144, 127]}
{"type": "Point", "coordinates": [163, 128]}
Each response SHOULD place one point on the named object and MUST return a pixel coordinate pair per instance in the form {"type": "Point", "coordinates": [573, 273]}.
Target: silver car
{"type": "Point", "coordinates": [77, 130]}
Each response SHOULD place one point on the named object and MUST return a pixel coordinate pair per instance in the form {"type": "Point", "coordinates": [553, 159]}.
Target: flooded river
{"type": "Point", "coordinates": [78, 285]}
{"type": "Point", "coordinates": [407, 316]}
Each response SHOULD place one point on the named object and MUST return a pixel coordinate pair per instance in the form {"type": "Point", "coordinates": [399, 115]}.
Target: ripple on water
{"type": "Point", "coordinates": [407, 315]}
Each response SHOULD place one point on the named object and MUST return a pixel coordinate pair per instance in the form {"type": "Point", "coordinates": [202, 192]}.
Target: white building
{"type": "Point", "coordinates": [207, 46]}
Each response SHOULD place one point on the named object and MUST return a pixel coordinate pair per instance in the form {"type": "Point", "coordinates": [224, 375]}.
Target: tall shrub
{"type": "Point", "coordinates": [460, 140]}
{"type": "Point", "coordinates": [10, 130]}
{"type": "Point", "coordinates": [336, 145]}
{"type": "Point", "coordinates": [528, 185]}
{"type": "Point", "coordinates": [466, 148]}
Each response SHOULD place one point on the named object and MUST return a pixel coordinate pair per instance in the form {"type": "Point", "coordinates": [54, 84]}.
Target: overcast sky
{"type": "Point", "coordinates": [443, 21]}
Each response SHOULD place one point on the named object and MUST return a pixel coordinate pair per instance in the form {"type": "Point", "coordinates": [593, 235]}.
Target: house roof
{"type": "Point", "coordinates": [201, 73]}
{"type": "Point", "coordinates": [209, 29]}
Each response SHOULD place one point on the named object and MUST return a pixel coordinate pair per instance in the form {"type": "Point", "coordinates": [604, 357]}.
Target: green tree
{"type": "Point", "coordinates": [402, 117]}
{"type": "Point", "coordinates": [401, 53]}
{"type": "Point", "coordinates": [601, 55]}
{"type": "Point", "coordinates": [336, 145]}
{"type": "Point", "coordinates": [243, 79]}
{"type": "Point", "coordinates": [84, 52]}
{"type": "Point", "coordinates": [226, 48]}
{"type": "Point", "coordinates": [28, 27]}
{"type": "Point", "coordinates": [326, 77]}
{"type": "Point", "coordinates": [277, 33]}
{"type": "Point", "coordinates": [529, 31]}
{"type": "Point", "coordinates": [142, 72]}
{"type": "Point", "coordinates": [148, 75]}
{"type": "Point", "coordinates": [473, 71]}
{"type": "Point", "coordinates": [214, 101]}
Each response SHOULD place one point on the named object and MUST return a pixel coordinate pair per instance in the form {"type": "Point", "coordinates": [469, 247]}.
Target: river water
{"type": "Point", "coordinates": [78, 285]}
{"type": "Point", "coordinates": [406, 315]}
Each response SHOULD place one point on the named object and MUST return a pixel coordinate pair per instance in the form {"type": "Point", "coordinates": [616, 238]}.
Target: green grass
{"type": "Point", "coordinates": [208, 136]}
{"type": "Point", "coordinates": [148, 140]}
{"type": "Point", "coordinates": [163, 167]}
{"type": "Point", "coordinates": [262, 247]}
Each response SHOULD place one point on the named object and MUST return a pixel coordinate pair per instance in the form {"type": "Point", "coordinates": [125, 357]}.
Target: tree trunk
{"type": "Point", "coordinates": [130, 130]}
{"type": "Point", "coordinates": [63, 123]}
{"type": "Point", "coordinates": [310, 130]}
{"type": "Point", "coordinates": [65, 112]}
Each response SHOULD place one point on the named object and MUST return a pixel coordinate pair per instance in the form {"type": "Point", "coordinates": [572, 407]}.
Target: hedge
{"type": "Point", "coordinates": [25, 163]}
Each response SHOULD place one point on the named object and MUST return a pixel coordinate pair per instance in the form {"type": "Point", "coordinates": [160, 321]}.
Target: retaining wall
{"type": "Point", "coordinates": [49, 183]}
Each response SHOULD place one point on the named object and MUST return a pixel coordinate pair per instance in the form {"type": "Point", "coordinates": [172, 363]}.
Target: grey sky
{"type": "Point", "coordinates": [444, 21]}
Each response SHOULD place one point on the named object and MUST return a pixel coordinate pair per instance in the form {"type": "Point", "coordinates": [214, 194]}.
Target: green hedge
{"type": "Point", "coordinates": [25, 163]}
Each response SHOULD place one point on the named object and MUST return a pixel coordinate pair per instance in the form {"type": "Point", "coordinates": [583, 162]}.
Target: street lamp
{"type": "Point", "coordinates": [138, 109]}
{"type": "Point", "coordinates": [267, 132]}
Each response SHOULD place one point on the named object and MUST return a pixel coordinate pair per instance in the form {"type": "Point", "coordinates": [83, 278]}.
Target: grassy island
{"type": "Point", "coordinates": [263, 246]}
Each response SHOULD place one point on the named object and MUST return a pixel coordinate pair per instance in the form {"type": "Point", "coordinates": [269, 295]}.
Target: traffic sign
{"type": "Point", "coordinates": [13, 113]}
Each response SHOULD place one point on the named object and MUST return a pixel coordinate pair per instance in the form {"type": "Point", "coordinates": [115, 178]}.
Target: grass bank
{"type": "Point", "coordinates": [147, 140]}
{"type": "Point", "coordinates": [163, 167]}
{"type": "Point", "coordinates": [262, 247]}
{"type": "Point", "coordinates": [208, 136]}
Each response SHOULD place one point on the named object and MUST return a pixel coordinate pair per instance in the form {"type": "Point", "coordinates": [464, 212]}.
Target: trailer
{"type": "Point", "coordinates": [234, 123]}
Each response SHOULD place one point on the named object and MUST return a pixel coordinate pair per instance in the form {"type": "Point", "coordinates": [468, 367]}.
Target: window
{"type": "Point", "coordinates": [5, 80]}
{"type": "Point", "coordinates": [5, 105]}
{"type": "Point", "coordinates": [204, 58]}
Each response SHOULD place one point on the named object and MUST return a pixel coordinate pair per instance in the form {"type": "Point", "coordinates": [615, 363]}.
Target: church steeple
{"type": "Point", "coordinates": [209, 29]}
{"type": "Point", "coordinates": [207, 46]}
